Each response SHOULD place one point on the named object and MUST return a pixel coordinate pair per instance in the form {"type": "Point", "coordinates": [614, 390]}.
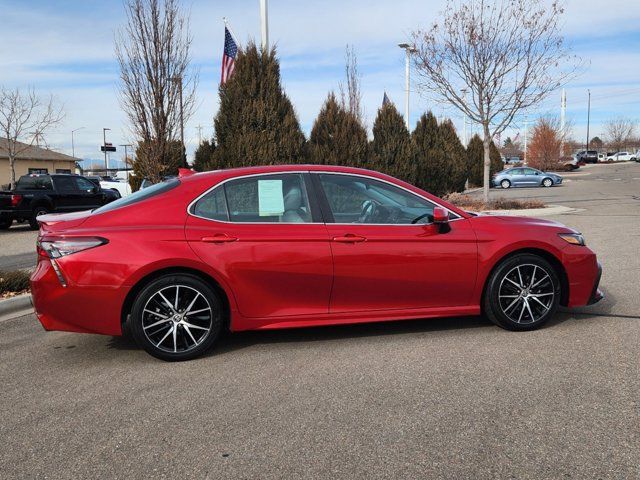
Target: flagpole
{"type": "Point", "coordinates": [228, 27]}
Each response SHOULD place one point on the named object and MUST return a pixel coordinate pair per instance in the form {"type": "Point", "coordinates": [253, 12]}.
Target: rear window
{"type": "Point", "coordinates": [140, 195]}
{"type": "Point", "coordinates": [34, 183]}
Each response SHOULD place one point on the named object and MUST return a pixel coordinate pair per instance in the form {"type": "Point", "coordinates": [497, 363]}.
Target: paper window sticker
{"type": "Point", "coordinates": [270, 198]}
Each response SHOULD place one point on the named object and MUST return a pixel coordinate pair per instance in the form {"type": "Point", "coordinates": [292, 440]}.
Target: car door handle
{"type": "Point", "coordinates": [220, 238]}
{"type": "Point", "coordinates": [349, 238]}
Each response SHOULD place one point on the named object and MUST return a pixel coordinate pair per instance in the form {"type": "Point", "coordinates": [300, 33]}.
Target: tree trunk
{"type": "Point", "coordinates": [12, 168]}
{"type": "Point", "coordinates": [487, 163]}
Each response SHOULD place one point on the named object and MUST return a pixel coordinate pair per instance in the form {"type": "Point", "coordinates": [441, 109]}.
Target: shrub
{"type": "Point", "coordinates": [14, 282]}
{"type": "Point", "coordinates": [468, 202]}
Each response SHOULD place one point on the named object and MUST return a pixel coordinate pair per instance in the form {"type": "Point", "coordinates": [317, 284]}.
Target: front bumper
{"type": "Point", "coordinates": [596, 293]}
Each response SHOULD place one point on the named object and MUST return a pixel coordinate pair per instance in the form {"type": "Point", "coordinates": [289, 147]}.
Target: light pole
{"type": "Point", "coordinates": [104, 144]}
{"type": "Point", "coordinates": [264, 24]}
{"type": "Point", "coordinates": [588, 119]}
{"type": "Point", "coordinates": [464, 118]}
{"type": "Point", "coordinates": [178, 80]}
{"type": "Point", "coordinates": [73, 148]}
{"type": "Point", "coordinates": [126, 164]}
{"type": "Point", "coordinates": [409, 49]}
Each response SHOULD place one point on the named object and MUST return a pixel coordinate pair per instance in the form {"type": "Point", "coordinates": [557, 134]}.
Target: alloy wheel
{"type": "Point", "coordinates": [177, 318]}
{"type": "Point", "coordinates": [547, 182]}
{"type": "Point", "coordinates": [526, 294]}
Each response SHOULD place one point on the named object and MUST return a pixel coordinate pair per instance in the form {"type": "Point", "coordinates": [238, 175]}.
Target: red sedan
{"type": "Point", "coordinates": [296, 246]}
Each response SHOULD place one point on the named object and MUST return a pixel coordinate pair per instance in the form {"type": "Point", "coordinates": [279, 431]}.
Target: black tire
{"type": "Point", "coordinates": [547, 182]}
{"type": "Point", "coordinates": [153, 321]}
{"type": "Point", "coordinates": [505, 183]}
{"type": "Point", "coordinates": [36, 212]}
{"type": "Point", "coordinates": [5, 223]}
{"type": "Point", "coordinates": [117, 193]}
{"type": "Point", "coordinates": [502, 307]}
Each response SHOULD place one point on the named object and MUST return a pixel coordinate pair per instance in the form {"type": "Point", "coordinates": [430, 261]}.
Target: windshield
{"type": "Point", "coordinates": [140, 195]}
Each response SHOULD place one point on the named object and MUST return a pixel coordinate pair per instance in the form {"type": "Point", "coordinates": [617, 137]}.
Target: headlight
{"type": "Point", "coordinates": [573, 238]}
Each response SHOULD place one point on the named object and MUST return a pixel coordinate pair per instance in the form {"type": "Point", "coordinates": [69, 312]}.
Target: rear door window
{"type": "Point", "coordinates": [34, 183]}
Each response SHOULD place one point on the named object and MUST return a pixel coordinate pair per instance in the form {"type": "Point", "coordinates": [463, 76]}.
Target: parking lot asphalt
{"type": "Point", "coordinates": [455, 398]}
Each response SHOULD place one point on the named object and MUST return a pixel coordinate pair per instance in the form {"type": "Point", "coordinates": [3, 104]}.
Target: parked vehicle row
{"type": "Point", "coordinates": [525, 177]}
{"type": "Point", "coordinates": [39, 194]}
{"type": "Point", "coordinates": [296, 246]}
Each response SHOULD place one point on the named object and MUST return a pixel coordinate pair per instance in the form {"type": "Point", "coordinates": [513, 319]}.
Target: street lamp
{"type": "Point", "coordinates": [588, 119]}
{"type": "Point", "coordinates": [178, 80]}
{"type": "Point", "coordinates": [464, 118]}
{"type": "Point", "coordinates": [126, 164]}
{"type": "Point", "coordinates": [104, 144]}
{"type": "Point", "coordinates": [73, 149]}
{"type": "Point", "coordinates": [409, 49]}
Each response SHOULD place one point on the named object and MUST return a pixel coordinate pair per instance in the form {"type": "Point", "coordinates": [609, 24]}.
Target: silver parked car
{"type": "Point", "coordinates": [525, 177]}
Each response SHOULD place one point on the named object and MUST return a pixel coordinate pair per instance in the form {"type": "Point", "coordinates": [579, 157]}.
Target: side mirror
{"type": "Point", "coordinates": [441, 219]}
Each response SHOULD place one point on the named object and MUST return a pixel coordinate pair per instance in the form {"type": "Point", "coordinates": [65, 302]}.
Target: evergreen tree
{"type": "Point", "coordinates": [204, 160]}
{"type": "Point", "coordinates": [175, 159]}
{"type": "Point", "coordinates": [256, 123]}
{"type": "Point", "coordinates": [391, 147]}
{"type": "Point", "coordinates": [475, 159]}
{"type": "Point", "coordinates": [432, 169]}
{"type": "Point", "coordinates": [337, 137]}
{"type": "Point", "coordinates": [456, 157]}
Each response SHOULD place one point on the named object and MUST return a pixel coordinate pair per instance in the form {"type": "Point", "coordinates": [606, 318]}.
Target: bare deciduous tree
{"type": "Point", "coordinates": [153, 52]}
{"type": "Point", "coordinates": [24, 119]}
{"type": "Point", "coordinates": [508, 55]}
{"type": "Point", "coordinates": [351, 99]}
{"type": "Point", "coordinates": [619, 132]}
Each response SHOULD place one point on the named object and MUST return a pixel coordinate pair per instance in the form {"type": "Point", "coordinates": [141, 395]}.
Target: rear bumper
{"type": "Point", "coordinates": [74, 308]}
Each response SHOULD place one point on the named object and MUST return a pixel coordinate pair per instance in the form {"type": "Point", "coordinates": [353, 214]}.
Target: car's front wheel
{"type": "Point", "coordinates": [176, 317]}
{"type": "Point", "coordinates": [505, 183]}
{"type": "Point", "coordinates": [522, 293]}
{"type": "Point", "coordinates": [547, 182]}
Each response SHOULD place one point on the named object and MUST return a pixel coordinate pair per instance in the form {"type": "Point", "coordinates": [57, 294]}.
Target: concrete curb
{"type": "Point", "coordinates": [535, 212]}
{"type": "Point", "coordinates": [11, 306]}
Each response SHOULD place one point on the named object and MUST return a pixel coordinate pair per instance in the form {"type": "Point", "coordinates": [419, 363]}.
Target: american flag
{"type": "Point", "coordinates": [385, 99]}
{"type": "Point", "coordinates": [228, 56]}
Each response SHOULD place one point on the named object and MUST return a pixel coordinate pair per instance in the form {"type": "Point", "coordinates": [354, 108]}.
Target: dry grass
{"type": "Point", "coordinates": [468, 202]}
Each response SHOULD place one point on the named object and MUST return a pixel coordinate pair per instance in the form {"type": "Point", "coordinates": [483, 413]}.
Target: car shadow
{"type": "Point", "coordinates": [232, 341]}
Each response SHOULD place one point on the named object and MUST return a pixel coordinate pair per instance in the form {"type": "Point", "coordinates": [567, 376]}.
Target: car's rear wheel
{"type": "Point", "coordinates": [176, 317]}
{"type": "Point", "coordinates": [547, 182]}
{"type": "Point", "coordinates": [36, 212]}
{"type": "Point", "coordinates": [522, 293]}
{"type": "Point", "coordinates": [505, 183]}
{"type": "Point", "coordinates": [5, 223]}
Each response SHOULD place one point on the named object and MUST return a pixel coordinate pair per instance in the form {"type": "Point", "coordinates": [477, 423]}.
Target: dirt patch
{"type": "Point", "coordinates": [468, 202]}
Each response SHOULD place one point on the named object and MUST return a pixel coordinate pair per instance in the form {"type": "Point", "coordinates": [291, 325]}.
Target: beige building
{"type": "Point", "coordinates": [33, 160]}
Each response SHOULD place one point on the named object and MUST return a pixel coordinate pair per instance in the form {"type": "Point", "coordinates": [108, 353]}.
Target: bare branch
{"type": "Point", "coordinates": [24, 118]}
{"type": "Point", "coordinates": [619, 132]}
{"type": "Point", "coordinates": [508, 55]}
{"type": "Point", "coordinates": [153, 52]}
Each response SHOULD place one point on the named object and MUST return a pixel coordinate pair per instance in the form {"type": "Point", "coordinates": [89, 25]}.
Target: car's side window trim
{"type": "Point", "coordinates": [314, 209]}
{"type": "Point", "coordinates": [315, 194]}
{"type": "Point", "coordinates": [324, 202]}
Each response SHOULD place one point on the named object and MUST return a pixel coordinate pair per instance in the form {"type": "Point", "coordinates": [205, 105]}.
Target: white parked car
{"type": "Point", "coordinates": [109, 183]}
{"type": "Point", "coordinates": [622, 157]}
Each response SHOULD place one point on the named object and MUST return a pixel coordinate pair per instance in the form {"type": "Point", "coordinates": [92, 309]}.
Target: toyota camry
{"type": "Point", "coordinates": [296, 246]}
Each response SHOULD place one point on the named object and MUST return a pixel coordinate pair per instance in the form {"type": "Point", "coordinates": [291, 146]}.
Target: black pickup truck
{"type": "Point", "coordinates": [41, 194]}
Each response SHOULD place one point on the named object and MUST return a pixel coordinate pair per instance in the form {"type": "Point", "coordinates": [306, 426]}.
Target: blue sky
{"type": "Point", "coordinates": [66, 48]}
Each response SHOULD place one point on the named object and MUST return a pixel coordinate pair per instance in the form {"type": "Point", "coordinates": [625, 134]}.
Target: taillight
{"type": "Point", "coordinates": [15, 199]}
{"type": "Point", "coordinates": [60, 247]}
